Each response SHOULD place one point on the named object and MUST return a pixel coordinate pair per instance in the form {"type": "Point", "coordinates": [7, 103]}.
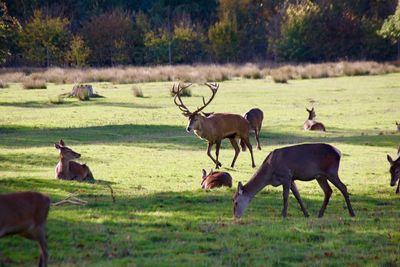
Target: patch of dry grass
{"type": "Point", "coordinates": [137, 91]}
{"type": "Point", "coordinates": [3, 84]}
{"type": "Point", "coordinates": [32, 82]}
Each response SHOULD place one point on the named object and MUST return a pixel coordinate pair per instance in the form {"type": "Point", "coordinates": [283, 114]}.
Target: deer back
{"type": "Point", "coordinates": [226, 125]}
{"type": "Point", "coordinates": [255, 117]}
{"type": "Point", "coordinates": [217, 179]}
{"type": "Point", "coordinates": [79, 171]}
{"type": "Point", "coordinates": [23, 211]}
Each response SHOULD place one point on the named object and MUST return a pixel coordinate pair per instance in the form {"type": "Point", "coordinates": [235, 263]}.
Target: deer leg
{"type": "Point", "coordinates": [237, 150]}
{"type": "Point", "coordinates": [398, 188]}
{"type": "Point", "coordinates": [323, 183]}
{"type": "Point", "coordinates": [217, 147]}
{"type": "Point", "coordinates": [334, 179]}
{"type": "Point", "coordinates": [210, 145]}
{"type": "Point", "coordinates": [286, 188]}
{"type": "Point", "coordinates": [43, 247]}
{"type": "Point", "coordinates": [297, 195]}
{"type": "Point", "coordinates": [248, 144]}
{"type": "Point", "coordinates": [243, 145]}
{"type": "Point", "coordinates": [257, 131]}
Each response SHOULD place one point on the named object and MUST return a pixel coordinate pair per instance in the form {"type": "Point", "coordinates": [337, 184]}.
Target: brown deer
{"type": "Point", "coordinates": [283, 166]}
{"type": "Point", "coordinates": [215, 179]}
{"type": "Point", "coordinates": [216, 126]}
{"type": "Point", "coordinates": [398, 126]}
{"type": "Point", "coordinates": [395, 171]}
{"type": "Point", "coordinates": [25, 214]}
{"type": "Point", "coordinates": [255, 117]}
{"type": "Point", "coordinates": [311, 124]}
{"type": "Point", "coordinates": [67, 169]}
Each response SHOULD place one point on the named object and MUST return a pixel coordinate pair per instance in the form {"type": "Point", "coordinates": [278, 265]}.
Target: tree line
{"type": "Point", "coordinates": [106, 33]}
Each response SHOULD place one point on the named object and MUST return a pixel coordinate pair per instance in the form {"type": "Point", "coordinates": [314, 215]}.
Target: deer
{"type": "Point", "coordinates": [311, 124]}
{"type": "Point", "coordinates": [67, 169]}
{"type": "Point", "coordinates": [395, 170]}
{"type": "Point", "coordinates": [283, 166]}
{"type": "Point", "coordinates": [215, 179]}
{"type": "Point", "coordinates": [255, 117]}
{"type": "Point", "coordinates": [25, 214]}
{"type": "Point", "coordinates": [214, 127]}
{"type": "Point", "coordinates": [398, 126]}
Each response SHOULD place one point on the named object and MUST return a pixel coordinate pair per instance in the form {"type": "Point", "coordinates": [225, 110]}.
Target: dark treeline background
{"type": "Point", "coordinates": [122, 32]}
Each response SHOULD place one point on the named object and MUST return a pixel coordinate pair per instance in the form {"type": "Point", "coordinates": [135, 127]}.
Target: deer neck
{"type": "Point", "coordinates": [259, 180]}
{"type": "Point", "coordinates": [203, 129]}
{"type": "Point", "coordinates": [64, 166]}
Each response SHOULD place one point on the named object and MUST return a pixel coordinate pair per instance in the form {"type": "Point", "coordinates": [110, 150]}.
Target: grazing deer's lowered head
{"type": "Point", "coordinates": [215, 179]}
{"type": "Point", "coordinates": [214, 127]}
{"type": "Point", "coordinates": [394, 172]}
{"type": "Point", "coordinates": [311, 124]}
{"type": "Point", "coordinates": [67, 169]}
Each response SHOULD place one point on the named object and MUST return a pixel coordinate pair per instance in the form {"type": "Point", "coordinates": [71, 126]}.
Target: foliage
{"type": "Point", "coordinates": [187, 45]}
{"type": "Point", "coordinates": [391, 26]}
{"type": "Point", "coordinates": [157, 47]}
{"type": "Point", "coordinates": [223, 40]}
{"type": "Point", "coordinates": [44, 40]}
{"type": "Point", "coordinates": [9, 28]}
{"type": "Point", "coordinates": [78, 53]}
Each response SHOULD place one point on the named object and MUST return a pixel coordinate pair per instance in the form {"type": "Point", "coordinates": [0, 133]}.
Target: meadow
{"type": "Point", "coordinates": [161, 217]}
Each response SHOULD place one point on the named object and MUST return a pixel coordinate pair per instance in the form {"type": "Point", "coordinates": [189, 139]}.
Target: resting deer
{"type": "Point", "coordinates": [283, 166]}
{"type": "Point", "coordinates": [67, 169]}
{"type": "Point", "coordinates": [25, 214]}
{"type": "Point", "coordinates": [398, 126]}
{"type": "Point", "coordinates": [395, 171]}
{"type": "Point", "coordinates": [311, 124]}
{"type": "Point", "coordinates": [216, 126]}
{"type": "Point", "coordinates": [215, 179]}
{"type": "Point", "coordinates": [255, 117]}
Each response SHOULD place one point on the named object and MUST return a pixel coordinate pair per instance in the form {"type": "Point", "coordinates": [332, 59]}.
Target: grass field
{"type": "Point", "coordinates": [161, 216]}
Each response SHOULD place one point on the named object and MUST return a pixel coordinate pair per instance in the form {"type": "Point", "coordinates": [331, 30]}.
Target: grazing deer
{"type": "Point", "coordinates": [67, 169]}
{"type": "Point", "coordinates": [215, 179]}
{"type": "Point", "coordinates": [311, 124]}
{"type": "Point", "coordinates": [395, 171]}
{"type": "Point", "coordinates": [255, 117]}
{"type": "Point", "coordinates": [25, 214]}
{"type": "Point", "coordinates": [216, 126]}
{"type": "Point", "coordinates": [282, 166]}
{"type": "Point", "coordinates": [398, 126]}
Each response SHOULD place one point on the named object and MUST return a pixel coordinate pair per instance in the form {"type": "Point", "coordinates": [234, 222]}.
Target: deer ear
{"type": "Point", "coordinates": [389, 158]}
{"type": "Point", "coordinates": [397, 123]}
{"type": "Point", "coordinates": [308, 110]}
{"type": "Point", "coordinates": [62, 142]}
{"type": "Point", "coordinates": [312, 109]}
{"type": "Point", "coordinates": [204, 174]}
{"type": "Point", "coordinates": [240, 188]}
{"type": "Point", "coordinates": [207, 114]}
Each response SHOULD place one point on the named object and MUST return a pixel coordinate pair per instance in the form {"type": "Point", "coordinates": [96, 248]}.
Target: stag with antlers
{"type": "Point", "coordinates": [214, 127]}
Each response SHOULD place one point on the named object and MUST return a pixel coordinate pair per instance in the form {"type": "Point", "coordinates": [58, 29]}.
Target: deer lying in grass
{"type": "Point", "coordinates": [216, 126]}
{"type": "Point", "coordinates": [255, 117]}
{"type": "Point", "coordinates": [283, 166]}
{"type": "Point", "coordinates": [215, 179]}
{"type": "Point", "coordinates": [395, 170]}
{"type": "Point", "coordinates": [311, 124]}
{"type": "Point", "coordinates": [67, 169]}
{"type": "Point", "coordinates": [25, 214]}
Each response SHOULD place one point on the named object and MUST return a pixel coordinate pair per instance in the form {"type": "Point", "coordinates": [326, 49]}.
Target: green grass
{"type": "Point", "coordinates": [161, 216]}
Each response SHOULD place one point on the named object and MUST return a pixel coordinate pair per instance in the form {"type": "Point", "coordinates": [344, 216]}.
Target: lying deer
{"type": "Point", "coordinates": [283, 166]}
{"type": "Point", "coordinates": [215, 179]}
{"type": "Point", "coordinates": [216, 126]}
{"type": "Point", "coordinates": [311, 124]}
{"type": "Point", "coordinates": [395, 171]}
{"type": "Point", "coordinates": [25, 214]}
{"type": "Point", "coordinates": [255, 117]}
{"type": "Point", "coordinates": [67, 169]}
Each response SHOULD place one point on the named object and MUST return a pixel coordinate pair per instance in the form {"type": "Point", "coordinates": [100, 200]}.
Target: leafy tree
{"type": "Point", "coordinates": [45, 39]}
{"type": "Point", "coordinates": [187, 45]}
{"type": "Point", "coordinates": [391, 29]}
{"type": "Point", "coordinates": [223, 40]}
{"type": "Point", "coordinates": [157, 47]}
{"type": "Point", "coordinates": [9, 29]}
{"type": "Point", "coordinates": [79, 52]}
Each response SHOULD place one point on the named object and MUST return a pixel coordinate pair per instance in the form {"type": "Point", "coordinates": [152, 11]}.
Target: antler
{"type": "Point", "coordinates": [177, 98]}
{"type": "Point", "coordinates": [214, 88]}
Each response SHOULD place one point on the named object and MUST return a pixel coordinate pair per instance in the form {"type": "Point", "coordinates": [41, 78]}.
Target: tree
{"type": "Point", "coordinates": [391, 29]}
{"type": "Point", "coordinates": [79, 52]}
{"type": "Point", "coordinates": [187, 45]}
{"type": "Point", "coordinates": [223, 40]}
{"type": "Point", "coordinates": [44, 40]}
{"type": "Point", "coordinates": [9, 29]}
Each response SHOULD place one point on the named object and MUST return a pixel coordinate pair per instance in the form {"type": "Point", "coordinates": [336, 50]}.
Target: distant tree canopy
{"type": "Point", "coordinates": [105, 33]}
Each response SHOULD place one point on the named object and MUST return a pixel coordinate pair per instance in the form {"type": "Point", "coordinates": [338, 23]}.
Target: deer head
{"type": "Point", "coordinates": [66, 152]}
{"type": "Point", "coordinates": [240, 201]}
{"type": "Point", "coordinates": [195, 117]}
{"type": "Point", "coordinates": [204, 177]}
{"type": "Point", "coordinates": [311, 113]}
{"type": "Point", "coordinates": [394, 170]}
{"type": "Point", "coordinates": [398, 126]}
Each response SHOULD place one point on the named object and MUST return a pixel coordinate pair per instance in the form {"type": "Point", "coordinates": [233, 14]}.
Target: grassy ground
{"type": "Point", "coordinates": [162, 217]}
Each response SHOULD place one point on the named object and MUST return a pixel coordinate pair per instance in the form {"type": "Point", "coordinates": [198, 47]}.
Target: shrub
{"type": "Point", "coordinates": [32, 83]}
{"type": "Point", "coordinates": [185, 92]}
{"type": "Point", "coordinates": [280, 76]}
{"type": "Point", "coordinates": [3, 84]}
{"type": "Point", "coordinates": [137, 92]}
{"type": "Point", "coordinates": [58, 99]}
